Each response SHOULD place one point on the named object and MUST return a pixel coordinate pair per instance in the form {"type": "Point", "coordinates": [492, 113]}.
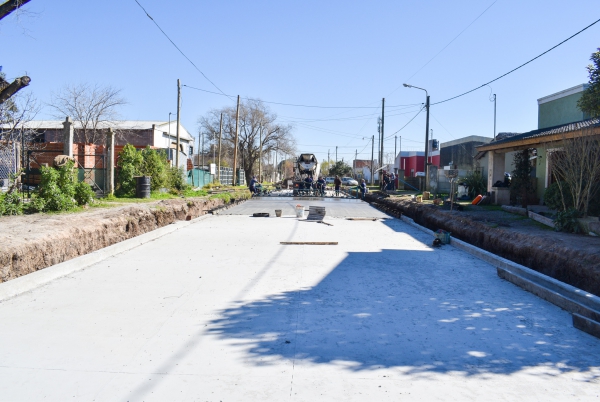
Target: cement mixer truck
{"type": "Point", "coordinates": [306, 165]}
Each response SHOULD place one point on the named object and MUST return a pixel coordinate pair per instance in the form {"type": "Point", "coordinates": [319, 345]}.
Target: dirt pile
{"type": "Point", "coordinates": [542, 253]}
{"type": "Point", "coordinates": [32, 242]}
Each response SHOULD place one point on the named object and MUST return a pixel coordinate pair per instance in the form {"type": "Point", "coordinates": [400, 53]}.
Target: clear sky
{"type": "Point", "coordinates": [322, 53]}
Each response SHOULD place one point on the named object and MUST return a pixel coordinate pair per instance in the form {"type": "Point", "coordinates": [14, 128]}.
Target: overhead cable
{"type": "Point", "coordinates": [522, 65]}
{"type": "Point", "coordinates": [444, 48]}
{"type": "Point", "coordinates": [298, 105]}
{"type": "Point", "coordinates": [180, 51]}
{"type": "Point", "coordinates": [402, 128]}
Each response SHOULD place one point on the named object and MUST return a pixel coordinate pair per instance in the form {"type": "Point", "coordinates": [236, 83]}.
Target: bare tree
{"type": "Point", "coordinates": [256, 122]}
{"type": "Point", "coordinates": [92, 108]}
{"type": "Point", "coordinates": [15, 116]}
{"type": "Point", "coordinates": [576, 167]}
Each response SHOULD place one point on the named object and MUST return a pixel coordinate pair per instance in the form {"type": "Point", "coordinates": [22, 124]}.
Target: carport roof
{"type": "Point", "coordinates": [536, 136]}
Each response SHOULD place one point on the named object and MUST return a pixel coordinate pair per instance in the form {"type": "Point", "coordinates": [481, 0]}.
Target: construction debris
{"type": "Point", "coordinates": [361, 219]}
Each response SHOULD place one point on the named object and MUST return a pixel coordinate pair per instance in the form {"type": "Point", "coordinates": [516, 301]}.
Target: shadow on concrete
{"type": "Point", "coordinates": [373, 312]}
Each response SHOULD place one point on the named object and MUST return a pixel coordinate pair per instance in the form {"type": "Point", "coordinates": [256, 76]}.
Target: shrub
{"type": "Point", "coordinates": [475, 183]}
{"type": "Point", "coordinates": [10, 204]}
{"type": "Point", "coordinates": [129, 163]}
{"type": "Point", "coordinates": [175, 179]}
{"type": "Point", "coordinates": [566, 221]}
{"type": "Point", "coordinates": [84, 193]}
{"type": "Point", "coordinates": [155, 165]}
{"type": "Point", "coordinates": [57, 189]}
{"type": "Point", "coordinates": [554, 200]}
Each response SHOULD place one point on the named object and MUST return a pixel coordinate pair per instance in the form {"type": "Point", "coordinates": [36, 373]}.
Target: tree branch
{"type": "Point", "coordinates": [10, 6]}
{"type": "Point", "coordinates": [13, 88]}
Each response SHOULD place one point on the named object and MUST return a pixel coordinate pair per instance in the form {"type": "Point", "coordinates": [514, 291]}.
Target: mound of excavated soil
{"type": "Point", "coordinates": [542, 252]}
{"type": "Point", "coordinates": [32, 242]}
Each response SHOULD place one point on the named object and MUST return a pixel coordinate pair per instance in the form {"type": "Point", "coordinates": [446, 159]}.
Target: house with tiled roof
{"type": "Point", "coordinates": [559, 119]}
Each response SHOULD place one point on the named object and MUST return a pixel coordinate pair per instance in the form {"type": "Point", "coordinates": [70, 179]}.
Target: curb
{"type": "Point", "coordinates": [46, 275]}
{"type": "Point", "coordinates": [583, 305]}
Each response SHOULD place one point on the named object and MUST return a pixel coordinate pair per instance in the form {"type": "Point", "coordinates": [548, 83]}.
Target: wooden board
{"type": "Point", "coordinates": [309, 243]}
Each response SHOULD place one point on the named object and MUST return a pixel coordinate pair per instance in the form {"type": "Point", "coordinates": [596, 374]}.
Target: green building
{"type": "Point", "coordinates": [561, 108]}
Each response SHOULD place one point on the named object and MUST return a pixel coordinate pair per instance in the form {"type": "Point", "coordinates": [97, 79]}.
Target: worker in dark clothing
{"type": "Point", "coordinates": [252, 186]}
{"type": "Point", "coordinates": [308, 184]}
{"type": "Point", "coordinates": [337, 183]}
{"type": "Point", "coordinates": [321, 186]}
{"type": "Point", "coordinates": [363, 188]}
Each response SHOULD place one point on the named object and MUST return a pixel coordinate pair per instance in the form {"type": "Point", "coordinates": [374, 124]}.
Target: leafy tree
{"type": "Point", "coordinates": [340, 168]}
{"type": "Point", "coordinates": [590, 99]}
{"type": "Point", "coordinates": [520, 185]}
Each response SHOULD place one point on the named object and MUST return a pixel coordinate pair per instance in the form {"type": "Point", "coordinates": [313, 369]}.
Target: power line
{"type": "Point", "coordinates": [444, 48]}
{"type": "Point", "coordinates": [298, 105]}
{"type": "Point", "coordinates": [419, 112]}
{"type": "Point", "coordinates": [177, 47]}
{"type": "Point", "coordinates": [351, 118]}
{"type": "Point", "coordinates": [522, 65]}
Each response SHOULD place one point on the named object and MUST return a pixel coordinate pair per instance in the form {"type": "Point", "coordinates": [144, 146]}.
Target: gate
{"type": "Point", "coordinates": [92, 170]}
{"type": "Point", "coordinates": [8, 164]}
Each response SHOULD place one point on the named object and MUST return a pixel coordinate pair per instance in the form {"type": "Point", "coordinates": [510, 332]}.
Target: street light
{"type": "Point", "coordinates": [169, 139]}
{"type": "Point", "coordinates": [426, 130]}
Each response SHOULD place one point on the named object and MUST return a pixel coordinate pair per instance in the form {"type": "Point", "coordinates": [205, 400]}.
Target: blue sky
{"type": "Point", "coordinates": [334, 53]}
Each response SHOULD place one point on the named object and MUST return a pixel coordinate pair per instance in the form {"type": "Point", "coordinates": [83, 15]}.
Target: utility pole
{"type": "Point", "coordinates": [220, 134]}
{"type": "Point", "coordinates": [336, 154]}
{"type": "Point", "coordinates": [178, 120]}
{"type": "Point", "coordinates": [372, 152]}
{"type": "Point", "coordinates": [395, 146]}
{"type": "Point", "coordinates": [400, 160]}
{"type": "Point", "coordinates": [355, 156]}
{"type": "Point", "coordinates": [382, 126]}
{"type": "Point", "coordinates": [235, 145]}
{"type": "Point", "coordinates": [494, 116]}
{"type": "Point", "coordinates": [260, 157]}
{"type": "Point", "coordinates": [202, 151]}
{"type": "Point", "coordinates": [198, 161]}
{"type": "Point", "coordinates": [426, 144]}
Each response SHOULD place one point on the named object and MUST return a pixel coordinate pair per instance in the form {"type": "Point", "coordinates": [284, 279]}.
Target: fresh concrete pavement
{"type": "Point", "coordinates": [220, 311]}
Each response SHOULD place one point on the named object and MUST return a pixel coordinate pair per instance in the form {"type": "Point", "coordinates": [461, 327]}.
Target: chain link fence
{"type": "Point", "coordinates": [8, 164]}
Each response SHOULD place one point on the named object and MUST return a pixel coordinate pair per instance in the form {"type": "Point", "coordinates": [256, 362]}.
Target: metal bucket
{"type": "Point", "coordinates": [278, 213]}
{"type": "Point", "coordinates": [142, 187]}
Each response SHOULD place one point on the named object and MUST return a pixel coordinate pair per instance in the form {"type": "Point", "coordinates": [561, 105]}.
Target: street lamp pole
{"type": "Point", "coordinates": [426, 130]}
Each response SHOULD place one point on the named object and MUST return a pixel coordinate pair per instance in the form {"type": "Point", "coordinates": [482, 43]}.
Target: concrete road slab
{"type": "Point", "coordinates": [219, 310]}
{"type": "Point", "coordinates": [335, 207]}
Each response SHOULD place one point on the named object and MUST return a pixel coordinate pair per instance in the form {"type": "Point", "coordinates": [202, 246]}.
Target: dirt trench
{"type": "Point", "coordinates": [543, 254]}
{"type": "Point", "coordinates": [33, 242]}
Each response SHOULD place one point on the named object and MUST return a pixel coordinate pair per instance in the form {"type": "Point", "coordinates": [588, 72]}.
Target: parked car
{"type": "Point", "coordinates": [349, 181]}
{"type": "Point", "coordinates": [329, 180]}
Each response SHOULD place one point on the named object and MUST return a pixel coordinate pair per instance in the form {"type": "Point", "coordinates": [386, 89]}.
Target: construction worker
{"type": "Point", "coordinates": [363, 188]}
{"type": "Point", "coordinates": [337, 183]}
{"type": "Point", "coordinates": [252, 186]}
{"type": "Point", "coordinates": [321, 184]}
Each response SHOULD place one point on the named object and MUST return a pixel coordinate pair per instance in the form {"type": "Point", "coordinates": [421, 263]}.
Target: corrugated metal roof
{"type": "Point", "coordinates": [119, 125]}
{"type": "Point", "coordinates": [549, 131]}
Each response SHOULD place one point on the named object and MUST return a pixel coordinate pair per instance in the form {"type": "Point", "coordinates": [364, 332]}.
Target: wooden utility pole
{"type": "Point", "coordinates": [372, 154]}
{"type": "Point", "coordinates": [382, 130]}
{"type": "Point", "coordinates": [235, 145]}
{"type": "Point", "coordinates": [260, 157]}
{"type": "Point", "coordinates": [354, 164]}
{"type": "Point", "coordinates": [178, 119]}
{"type": "Point", "coordinates": [220, 134]}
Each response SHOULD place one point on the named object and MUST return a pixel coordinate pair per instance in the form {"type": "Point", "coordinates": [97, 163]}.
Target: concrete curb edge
{"type": "Point", "coordinates": [46, 275]}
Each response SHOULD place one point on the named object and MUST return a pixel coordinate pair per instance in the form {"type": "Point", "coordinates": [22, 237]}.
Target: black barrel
{"type": "Point", "coordinates": [142, 187]}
